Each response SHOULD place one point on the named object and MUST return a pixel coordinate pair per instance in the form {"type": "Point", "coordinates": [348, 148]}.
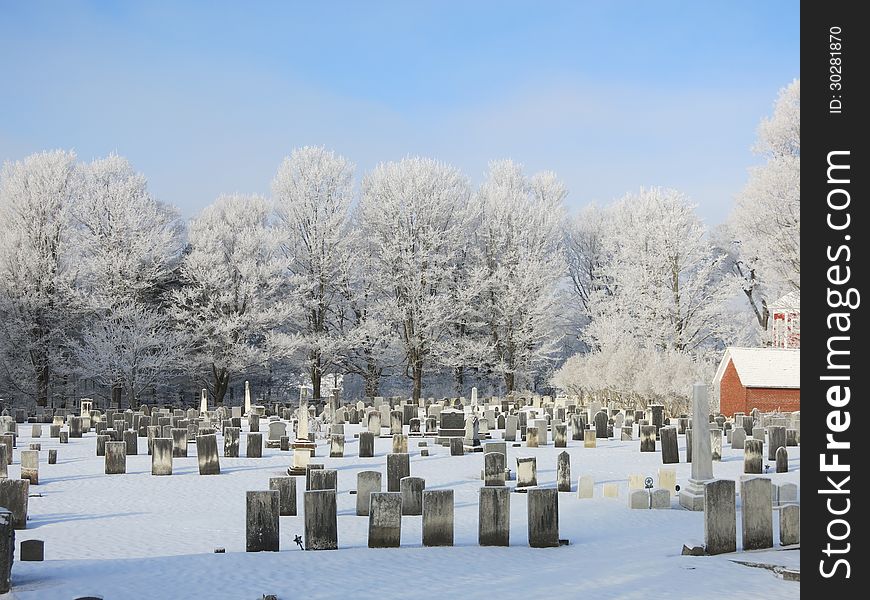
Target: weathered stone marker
{"type": "Point", "coordinates": [647, 438]}
{"type": "Point", "coordinates": [286, 488]}
{"type": "Point", "coordinates": [323, 479]}
{"type": "Point", "coordinates": [720, 517]}
{"type": "Point", "coordinates": [367, 482]}
{"type": "Point", "coordinates": [385, 520]}
{"type": "Point", "coordinates": [527, 471]}
{"type": "Point", "coordinates": [585, 487]}
{"type": "Point", "coordinates": [261, 521]}
{"type": "Point", "coordinates": [716, 444]}
{"type": "Point", "coordinates": [400, 443]}
{"type": "Point", "coordinates": [411, 489]}
{"type": "Point", "coordinates": [790, 524]}
{"type": "Point", "coordinates": [30, 466]}
{"type": "Point", "coordinates": [207, 454]}
{"type": "Point", "coordinates": [560, 436]}
{"type": "Point", "coordinates": [692, 496]}
{"type": "Point", "coordinates": [589, 438]}
{"type": "Point", "coordinates": [563, 472]}
{"type": "Point", "coordinates": [457, 447]}
{"type": "Point", "coordinates": [336, 445]}
{"type": "Point", "coordinates": [13, 496]}
{"type": "Point", "coordinates": [782, 460]}
{"type": "Point", "coordinates": [543, 517]}
{"type": "Point", "coordinates": [494, 468]}
{"type": "Point", "coordinates": [366, 444]}
{"type": "Point", "coordinates": [670, 451]}
{"type": "Point", "coordinates": [321, 524]}
{"type": "Point", "coordinates": [131, 441]}
{"type": "Point", "coordinates": [752, 462]}
{"type": "Point", "coordinates": [52, 457]}
{"type": "Point", "coordinates": [757, 513]}
{"type": "Point", "coordinates": [775, 440]}
{"type": "Point", "coordinates": [738, 438]}
{"type": "Point", "coordinates": [255, 445]}
{"type": "Point", "coordinates": [231, 442]}
{"type": "Point", "coordinates": [438, 518]}
{"type": "Point", "coordinates": [116, 458]}
{"type": "Point", "coordinates": [494, 516]}
{"type": "Point", "coordinates": [179, 442]}
{"type": "Point", "coordinates": [161, 456]}
{"type": "Point", "coordinates": [32, 550]}
{"type": "Point", "coordinates": [398, 466]}
{"type": "Point", "coordinates": [7, 549]}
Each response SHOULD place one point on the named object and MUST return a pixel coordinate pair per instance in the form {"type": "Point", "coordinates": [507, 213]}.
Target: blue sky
{"type": "Point", "coordinates": [207, 97]}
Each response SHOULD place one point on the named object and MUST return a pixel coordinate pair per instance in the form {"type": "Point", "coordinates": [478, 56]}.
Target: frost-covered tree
{"type": "Point", "coordinates": [312, 192]}
{"type": "Point", "coordinates": [127, 245]}
{"type": "Point", "coordinates": [36, 273]}
{"type": "Point", "coordinates": [132, 345]}
{"type": "Point", "coordinates": [665, 283]}
{"type": "Point", "coordinates": [765, 221]}
{"type": "Point", "coordinates": [414, 216]}
{"type": "Point", "coordinates": [233, 289]}
{"type": "Point", "coordinates": [586, 254]}
{"type": "Point", "coordinates": [524, 264]}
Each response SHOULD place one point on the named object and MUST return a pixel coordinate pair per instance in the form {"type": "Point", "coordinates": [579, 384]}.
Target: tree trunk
{"type": "Point", "coordinates": [509, 382]}
{"type": "Point", "coordinates": [372, 380]}
{"type": "Point", "coordinates": [221, 381]}
{"type": "Point", "coordinates": [459, 378]}
{"type": "Point", "coordinates": [316, 374]}
{"type": "Point", "coordinates": [42, 376]}
{"type": "Point", "coordinates": [418, 379]}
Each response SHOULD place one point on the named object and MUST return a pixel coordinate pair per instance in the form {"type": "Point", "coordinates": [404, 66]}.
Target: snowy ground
{"type": "Point", "coordinates": [139, 536]}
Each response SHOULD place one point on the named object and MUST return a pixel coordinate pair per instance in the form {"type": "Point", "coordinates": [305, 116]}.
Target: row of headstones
{"type": "Point", "coordinates": [386, 509]}
{"type": "Point", "coordinates": [778, 439]}
{"type": "Point", "coordinates": [757, 493]}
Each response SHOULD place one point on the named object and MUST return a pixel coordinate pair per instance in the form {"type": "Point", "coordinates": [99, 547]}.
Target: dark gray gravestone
{"type": "Point", "coordinates": [757, 513]}
{"type": "Point", "coordinates": [7, 549]}
{"type": "Point", "coordinates": [775, 441]}
{"type": "Point", "coordinates": [366, 444]}
{"type": "Point", "coordinates": [752, 456]}
{"type": "Point", "coordinates": [367, 482]}
{"type": "Point", "coordinates": [231, 442]}
{"type": "Point", "coordinates": [207, 454]}
{"type": "Point", "coordinates": [261, 521]}
{"type": "Point", "coordinates": [321, 525]}
{"type": "Point", "coordinates": [33, 550]}
{"type": "Point", "coordinates": [647, 438]}
{"type": "Point", "coordinates": [494, 516]}
{"type": "Point", "coordinates": [543, 517]}
{"type": "Point", "coordinates": [720, 517]}
{"type": "Point", "coordinates": [398, 466]}
{"type": "Point", "coordinates": [161, 456]}
{"type": "Point", "coordinates": [670, 451]}
{"type": "Point", "coordinates": [286, 488]}
{"type": "Point", "coordinates": [563, 472]}
{"type": "Point", "coordinates": [438, 518]}
{"type": "Point", "coordinates": [411, 489]}
{"type": "Point", "coordinates": [385, 520]}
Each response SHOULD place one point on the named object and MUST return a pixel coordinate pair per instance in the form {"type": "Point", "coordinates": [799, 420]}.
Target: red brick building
{"type": "Point", "coordinates": [764, 378]}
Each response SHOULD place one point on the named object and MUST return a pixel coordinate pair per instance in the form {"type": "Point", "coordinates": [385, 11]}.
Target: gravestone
{"type": "Point", "coordinates": [589, 438]}
{"type": "Point", "coordinates": [75, 427]}
{"type": "Point", "coordinates": [373, 423]}
{"type": "Point", "coordinates": [738, 438]}
{"type": "Point", "coordinates": [585, 487]}
{"type": "Point", "coordinates": [366, 444]}
{"type": "Point", "coordinates": [752, 458]}
{"type": "Point", "coordinates": [411, 489]}
{"type": "Point", "coordinates": [791, 437]}
{"type": "Point", "coordinates": [367, 482]}
{"type": "Point", "coordinates": [668, 480]}
{"type": "Point", "coordinates": [757, 513]}
{"type": "Point", "coordinates": [207, 454]}
{"type": "Point", "coordinates": [543, 518]}
{"type": "Point", "coordinates": [30, 466]}
{"type": "Point", "coordinates": [510, 428]}
{"type": "Point", "coordinates": [758, 433]}
{"type": "Point", "coordinates": [32, 550]}
{"type": "Point", "coordinates": [527, 472]}
{"type": "Point", "coordinates": [400, 443]}
{"type": "Point", "coordinates": [532, 437]}
{"type": "Point", "coordinates": [254, 447]}
{"type": "Point", "coordinates": [720, 517]}
{"type": "Point", "coordinates": [116, 458]}
{"type": "Point", "coordinates": [560, 436]}
{"type": "Point", "coordinates": [52, 458]}
{"type": "Point", "coordinates": [782, 460]}
{"type": "Point", "coordinates": [610, 490]}
{"type": "Point", "coordinates": [494, 516]}
{"type": "Point", "coordinates": [336, 445]}
{"type": "Point", "coordinates": [14, 494]}
{"type": "Point", "coordinates": [395, 422]}
{"type": "Point", "coordinates": [790, 525]}
{"type": "Point", "coordinates": [322, 479]}
{"type": "Point", "coordinates": [286, 488]}
{"type": "Point", "coordinates": [253, 422]}
{"type": "Point", "coordinates": [385, 520]}
{"type": "Point", "coordinates": [101, 444]}
{"type": "Point", "coordinates": [131, 441]}
{"type": "Point", "coordinates": [660, 499]}
{"type": "Point", "coordinates": [638, 499]}
{"type": "Point", "coordinates": [457, 447]}
{"type": "Point", "coordinates": [231, 442]}
{"type": "Point", "coordinates": [563, 472]}
{"type": "Point", "coordinates": [398, 467]}
{"type": "Point", "coordinates": [647, 438]}
{"type": "Point", "coordinates": [261, 521]}
{"type": "Point", "coordinates": [438, 517]}
{"type": "Point", "coordinates": [775, 441]}
{"type": "Point", "coordinates": [670, 451]}
{"type": "Point", "coordinates": [494, 465]}
{"type": "Point", "coordinates": [321, 524]}
{"type": "Point", "coordinates": [7, 549]}
{"type": "Point", "coordinates": [600, 421]}
{"type": "Point", "coordinates": [179, 442]}
{"type": "Point", "coordinates": [541, 425]}
{"type": "Point", "coordinates": [716, 444]}
{"type": "Point", "coordinates": [692, 495]}
{"type": "Point", "coordinates": [161, 456]}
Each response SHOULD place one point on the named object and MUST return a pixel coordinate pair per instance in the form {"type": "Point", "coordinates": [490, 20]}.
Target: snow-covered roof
{"type": "Point", "coordinates": [791, 301]}
{"type": "Point", "coordinates": [763, 367]}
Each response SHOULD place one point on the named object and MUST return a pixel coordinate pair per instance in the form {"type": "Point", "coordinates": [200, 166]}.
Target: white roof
{"type": "Point", "coordinates": [791, 301]}
{"type": "Point", "coordinates": [763, 367]}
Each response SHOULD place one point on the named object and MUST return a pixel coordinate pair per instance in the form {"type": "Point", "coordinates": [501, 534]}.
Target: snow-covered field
{"type": "Point", "coordinates": [140, 536]}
